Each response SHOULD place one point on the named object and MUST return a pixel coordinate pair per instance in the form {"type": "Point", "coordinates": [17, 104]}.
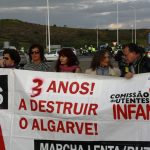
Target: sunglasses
{"type": "Point", "coordinates": [6, 58]}
{"type": "Point", "coordinates": [35, 52]}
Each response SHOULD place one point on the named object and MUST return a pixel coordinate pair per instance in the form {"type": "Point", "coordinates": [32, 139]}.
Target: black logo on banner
{"type": "Point", "coordinates": [91, 145]}
{"type": "Point", "coordinates": [3, 92]}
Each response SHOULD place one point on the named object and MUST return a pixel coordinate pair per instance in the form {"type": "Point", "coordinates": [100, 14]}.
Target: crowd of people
{"type": "Point", "coordinates": [130, 60]}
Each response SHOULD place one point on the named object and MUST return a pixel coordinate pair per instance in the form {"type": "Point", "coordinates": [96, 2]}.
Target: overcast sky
{"type": "Point", "coordinates": [80, 13]}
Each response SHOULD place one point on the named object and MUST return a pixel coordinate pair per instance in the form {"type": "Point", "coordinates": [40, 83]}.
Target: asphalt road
{"type": "Point", "coordinates": [85, 62]}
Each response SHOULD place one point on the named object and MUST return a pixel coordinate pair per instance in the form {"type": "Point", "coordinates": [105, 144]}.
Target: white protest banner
{"type": "Point", "coordinates": [67, 111]}
{"type": "Point", "coordinates": [6, 106]}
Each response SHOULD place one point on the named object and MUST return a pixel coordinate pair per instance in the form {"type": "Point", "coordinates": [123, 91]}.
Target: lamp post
{"type": "Point", "coordinates": [132, 32]}
{"type": "Point", "coordinates": [117, 26]}
{"type": "Point", "coordinates": [97, 35]}
{"type": "Point", "coordinates": [134, 9]}
{"type": "Point", "coordinates": [48, 26]}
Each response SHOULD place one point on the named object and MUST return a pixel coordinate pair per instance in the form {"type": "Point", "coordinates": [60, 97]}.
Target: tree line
{"type": "Point", "coordinates": [23, 34]}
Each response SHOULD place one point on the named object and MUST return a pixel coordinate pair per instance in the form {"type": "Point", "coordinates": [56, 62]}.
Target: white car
{"type": "Point", "coordinates": [53, 55]}
{"type": "Point", "coordinates": [23, 57]}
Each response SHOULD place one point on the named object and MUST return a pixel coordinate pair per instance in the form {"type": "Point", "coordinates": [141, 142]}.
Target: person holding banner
{"type": "Point", "coordinates": [101, 65]}
{"type": "Point", "coordinates": [11, 59]}
{"type": "Point", "coordinates": [67, 61]}
{"type": "Point", "coordinates": [37, 59]}
{"type": "Point", "coordinates": [138, 62]}
{"type": "Point", "coordinates": [123, 66]}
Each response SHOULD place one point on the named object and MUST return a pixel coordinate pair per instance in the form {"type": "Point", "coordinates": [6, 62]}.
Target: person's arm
{"type": "Point", "coordinates": [78, 70]}
{"type": "Point", "coordinates": [2, 63]}
{"type": "Point", "coordinates": [129, 75]}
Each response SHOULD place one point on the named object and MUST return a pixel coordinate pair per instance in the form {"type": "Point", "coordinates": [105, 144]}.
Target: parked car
{"type": "Point", "coordinates": [23, 60]}
{"type": "Point", "coordinates": [52, 55]}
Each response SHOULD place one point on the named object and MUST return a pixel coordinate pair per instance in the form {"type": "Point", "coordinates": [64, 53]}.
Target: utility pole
{"type": "Point", "coordinates": [97, 36]}
{"type": "Point", "coordinates": [132, 32]}
{"type": "Point", "coordinates": [134, 9]}
{"type": "Point", "coordinates": [117, 26]}
{"type": "Point", "coordinates": [48, 26]}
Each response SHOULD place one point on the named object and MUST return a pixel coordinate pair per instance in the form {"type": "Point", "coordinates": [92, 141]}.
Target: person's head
{"type": "Point", "coordinates": [11, 58]}
{"type": "Point", "coordinates": [66, 57]}
{"type": "Point", "coordinates": [101, 59]}
{"type": "Point", "coordinates": [36, 53]}
{"type": "Point", "coordinates": [132, 52]}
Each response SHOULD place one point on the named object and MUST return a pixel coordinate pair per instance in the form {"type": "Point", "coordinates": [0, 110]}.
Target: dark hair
{"type": "Point", "coordinates": [119, 55]}
{"type": "Point", "coordinates": [134, 48]}
{"type": "Point", "coordinates": [72, 58]}
{"type": "Point", "coordinates": [14, 55]}
{"type": "Point", "coordinates": [98, 56]}
{"type": "Point", "coordinates": [41, 49]}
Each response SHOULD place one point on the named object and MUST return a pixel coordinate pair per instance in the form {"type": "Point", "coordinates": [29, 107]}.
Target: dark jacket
{"type": "Point", "coordinates": [142, 65]}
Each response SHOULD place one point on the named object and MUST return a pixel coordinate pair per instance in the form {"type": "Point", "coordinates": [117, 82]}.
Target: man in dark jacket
{"type": "Point", "coordinates": [138, 62]}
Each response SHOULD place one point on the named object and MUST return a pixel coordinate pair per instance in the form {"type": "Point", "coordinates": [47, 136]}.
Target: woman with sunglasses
{"type": "Point", "coordinates": [11, 59]}
{"type": "Point", "coordinates": [101, 65]}
{"type": "Point", "coordinates": [36, 59]}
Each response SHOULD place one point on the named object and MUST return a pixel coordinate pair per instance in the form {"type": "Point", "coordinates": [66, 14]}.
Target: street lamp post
{"type": "Point", "coordinates": [97, 35]}
{"type": "Point", "coordinates": [132, 32]}
{"type": "Point", "coordinates": [117, 26]}
{"type": "Point", "coordinates": [48, 26]}
{"type": "Point", "coordinates": [134, 23]}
